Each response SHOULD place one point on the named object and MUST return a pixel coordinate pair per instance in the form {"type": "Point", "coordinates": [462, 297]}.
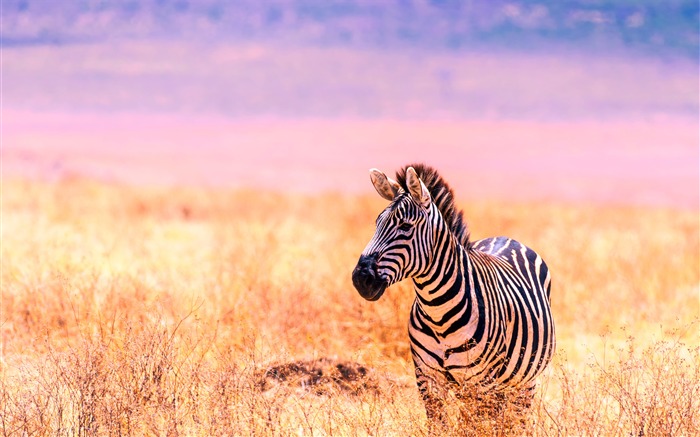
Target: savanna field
{"type": "Point", "coordinates": [189, 311]}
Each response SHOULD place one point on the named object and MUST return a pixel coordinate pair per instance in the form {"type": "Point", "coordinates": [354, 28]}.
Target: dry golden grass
{"type": "Point", "coordinates": [156, 311]}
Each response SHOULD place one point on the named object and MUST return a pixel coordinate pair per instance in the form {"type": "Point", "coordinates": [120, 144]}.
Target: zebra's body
{"type": "Point", "coordinates": [476, 336]}
{"type": "Point", "coordinates": [481, 314]}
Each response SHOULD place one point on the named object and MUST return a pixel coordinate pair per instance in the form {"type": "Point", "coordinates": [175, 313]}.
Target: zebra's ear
{"type": "Point", "coordinates": [417, 188]}
{"type": "Point", "coordinates": [385, 186]}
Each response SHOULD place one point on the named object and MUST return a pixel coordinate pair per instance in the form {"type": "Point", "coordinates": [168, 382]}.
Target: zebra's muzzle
{"type": "Point", "coordinates": [366, 280]}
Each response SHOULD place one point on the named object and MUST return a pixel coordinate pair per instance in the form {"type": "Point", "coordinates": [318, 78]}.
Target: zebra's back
{"type": "Point", "coordinates": [523, 259]}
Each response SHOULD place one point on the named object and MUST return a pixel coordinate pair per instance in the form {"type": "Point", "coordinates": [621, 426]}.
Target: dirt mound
{"type": "Point", "coordinates": [320, 376]}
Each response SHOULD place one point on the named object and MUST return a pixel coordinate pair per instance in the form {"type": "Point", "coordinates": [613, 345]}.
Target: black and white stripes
{"type": "Point", "coordinates": [481, 314]}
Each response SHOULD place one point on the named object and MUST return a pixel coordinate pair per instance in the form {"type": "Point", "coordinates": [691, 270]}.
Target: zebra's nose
{"type": "Point", "coordinates": [365, 278]}
{"type": "Point", "coordinates": [367, 262]}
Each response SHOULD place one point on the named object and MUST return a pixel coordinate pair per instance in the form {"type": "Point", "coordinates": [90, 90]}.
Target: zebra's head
{"type": "Point", "coordinates": [402, 243]}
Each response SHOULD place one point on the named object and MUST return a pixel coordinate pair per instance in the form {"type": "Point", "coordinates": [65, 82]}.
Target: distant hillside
{"type": "Point", "coordinates": [655, 28]}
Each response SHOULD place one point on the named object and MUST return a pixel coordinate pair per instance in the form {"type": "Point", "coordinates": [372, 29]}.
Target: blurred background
{"type": "Point", "coordinates": [577, 101]}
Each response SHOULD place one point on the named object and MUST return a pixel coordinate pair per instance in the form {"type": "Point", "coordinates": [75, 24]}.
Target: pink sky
{"type": "Point", "coordinates": [523, 127]}
{"type": "Point", "coordinates": [652, 163]}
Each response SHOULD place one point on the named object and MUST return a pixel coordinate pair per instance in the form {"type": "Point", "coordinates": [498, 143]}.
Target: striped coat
{"type": "Point", "coordinates": [482, 311]}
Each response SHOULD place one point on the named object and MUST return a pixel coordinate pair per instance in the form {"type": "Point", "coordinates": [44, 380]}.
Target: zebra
{"type": "Point", "coordinates": [481, 315]}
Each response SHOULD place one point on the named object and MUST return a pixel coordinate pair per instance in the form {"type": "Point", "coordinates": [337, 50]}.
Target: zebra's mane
{"type": "Point", "coordinates": [442, 196]}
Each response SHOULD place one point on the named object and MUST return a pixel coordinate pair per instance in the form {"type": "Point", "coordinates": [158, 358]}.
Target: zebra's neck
{"type": "Point", "coordinates": [445, 294]}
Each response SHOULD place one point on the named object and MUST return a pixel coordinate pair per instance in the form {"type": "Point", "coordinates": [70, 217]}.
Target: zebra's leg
{"type": "Point", "coordinates": [433, 392]}
{"type": "Point", "coordinates": [521, 401]}
{"type": "Point", "coordinates": [523, 398]}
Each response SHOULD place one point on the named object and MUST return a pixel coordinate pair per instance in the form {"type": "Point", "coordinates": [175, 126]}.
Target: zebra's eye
{"type": "Point", "coordinates": [404, 227]}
